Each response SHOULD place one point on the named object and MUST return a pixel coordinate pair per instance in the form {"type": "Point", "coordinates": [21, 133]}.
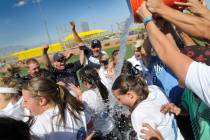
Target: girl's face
{"type": "Point", "coordinates": [86, 84]}
{"type": "Point", "coordinates": [31, 103]}
{"type": "Point", "coordinates": [124, 99]}
{"type": "Point", "coordinates": [137, 54]}
{"type": "Point", "coordinates": [116, 57]}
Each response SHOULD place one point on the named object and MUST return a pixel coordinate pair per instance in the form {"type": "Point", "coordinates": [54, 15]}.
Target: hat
{"type": "Point", "coordinates": [58, 56]}
{"type": "Point", "coordinates": [139, 43]}
{"type": "Point", "coordinates": [95, 43]}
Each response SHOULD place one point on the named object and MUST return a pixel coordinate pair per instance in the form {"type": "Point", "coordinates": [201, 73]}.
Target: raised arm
{"type": "Point", "coordinates": [81, 54]}
{"type": "Point", "coordinates": [46, 58]}
{"type": "Point", "coordinates": [178, 62]}
{"type": "Point", "coordinates": [196, 7]}
{"type": "Point", "coordinates": [193, 25]}
{"type": "Point", "coordinates": [75, 34]}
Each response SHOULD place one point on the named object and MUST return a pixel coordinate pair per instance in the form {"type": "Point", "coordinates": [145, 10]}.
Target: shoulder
{"type": "Point", "coordinates": [156, 93]}
{"type": "Point", "coordinates": [197, 72]}
{"type": "Point", "coordinates": [137, 117]}
{"type": "Point", "coordinates": [88, 94]}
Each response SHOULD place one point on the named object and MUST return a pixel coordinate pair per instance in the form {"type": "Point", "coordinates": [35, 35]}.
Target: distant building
{"type": "Point", "coordinates": [84, 26]}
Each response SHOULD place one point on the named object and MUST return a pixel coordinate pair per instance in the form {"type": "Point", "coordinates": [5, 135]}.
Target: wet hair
{"type": "Point", "coordinates": [12, 129]}
{"type": "Point", "coordinates": [31, 60]}
{"type": "Point", "coordinates": [127, 82]}
{"type": "Point", "coordinates": [130, 70]}
{"type": "Point", "coordinates": [90, 75]}
{"type": "Point", "coordinates": [56, 94]}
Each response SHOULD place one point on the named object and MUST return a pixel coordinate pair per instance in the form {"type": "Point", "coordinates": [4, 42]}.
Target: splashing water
{"type": "Point", "coordinates": [123, 44]}
{"type": "Point", "coordinates": [121, 114]}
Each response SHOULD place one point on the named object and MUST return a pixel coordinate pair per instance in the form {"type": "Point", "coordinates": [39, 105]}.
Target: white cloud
{"type": "Point", "coordinates": [20, 3]}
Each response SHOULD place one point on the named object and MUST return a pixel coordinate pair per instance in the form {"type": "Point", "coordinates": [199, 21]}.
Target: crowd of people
{"type": "Point", "coordinates": [167, 77]}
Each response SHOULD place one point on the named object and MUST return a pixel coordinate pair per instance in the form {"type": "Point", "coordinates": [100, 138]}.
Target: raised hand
{"type": "Point", "coordinates": [194, 6]}
{"type": "Point", "coordinates": [75, 89]}
{"type": "Point", "coordinates": [45, 48]}
{"type": "Point", "coordinates": [155, 5]}
{"type": "Point", "coordinates": [72, 25]}
{"type": "Point", "coordinates": [142, 11]}
{"type": "Point", "coordinates": [68, 54]}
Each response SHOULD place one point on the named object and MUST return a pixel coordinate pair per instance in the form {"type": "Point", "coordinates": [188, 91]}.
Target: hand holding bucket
{"type": "Point", "coordinates": [135, 4]}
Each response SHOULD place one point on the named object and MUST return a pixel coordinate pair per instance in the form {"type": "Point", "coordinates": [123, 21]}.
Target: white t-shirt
{"type": "Point", "coordinates": [138, 64]}
{"type": "Point", "coordinates": [13, 110]}
{"type": "Point", "coordinates": [105, 78]}
{"type": "Point", "coordinates": [198, 80]}
{"type": "Point", "coordinates": [95, 110]}
{"type": "Point", "coordinates": [148, 111]}
{"type": "Point", "coordinates": [47, 127]}
{"type": "Point", "coordinates": [107, 81]}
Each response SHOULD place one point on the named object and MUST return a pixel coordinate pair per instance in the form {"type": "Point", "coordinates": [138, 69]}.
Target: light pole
{"type": "Point", "coordinates": [44, 21]}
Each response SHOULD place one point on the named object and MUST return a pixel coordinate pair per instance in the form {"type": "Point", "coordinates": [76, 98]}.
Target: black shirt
{"type": "Point", "coordinates": [69, 74]}
{"type": "Point", "coordinates": [43, 73]}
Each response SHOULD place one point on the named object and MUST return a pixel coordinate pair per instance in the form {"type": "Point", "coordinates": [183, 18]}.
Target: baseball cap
{"type": "Point", "coordinates": [139, 43]}
{"type": "Point", "coordinates": [58, 56]}
{"type": "Point", "coordinates": [95, 43]}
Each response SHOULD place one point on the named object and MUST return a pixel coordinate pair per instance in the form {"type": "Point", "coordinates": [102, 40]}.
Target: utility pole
{"type": "Point", "coordinates": [44, 21]}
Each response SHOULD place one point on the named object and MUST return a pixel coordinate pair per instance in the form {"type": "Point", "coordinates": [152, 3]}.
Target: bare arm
{"type": "Point", "coordinates": [196, 7]}
{"type": "Point", "coordinates": [178, 62]}
{"type": "Point", "coordinates": [81, 55]}
{"type": "Point", "coordinates": [193, 25]}
{"type": "Point", "coordinates": [46, 58]}
{"type": "Point", "coordinates": [75, 34]}
{"type": "Point", "coordinates": [167, 29]}
{"type": "Point", "coordinates": [188, 41]}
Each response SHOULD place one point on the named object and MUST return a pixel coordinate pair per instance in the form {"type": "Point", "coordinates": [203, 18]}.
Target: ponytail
{"type": "Point", "coordinates": [90, 75]}
{"type": "Point", "coordinates": [102, 89]}
{"type": "Point", "coordinates": [69, 102]}
{"type": "Point", "coordinates": [55, 94]}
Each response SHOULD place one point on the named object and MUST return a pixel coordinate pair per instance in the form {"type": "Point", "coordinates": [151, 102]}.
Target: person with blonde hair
{"type": "Point", "coordinates": [10, 99]}
{"type": "Point", "coordinates": [56, 113]}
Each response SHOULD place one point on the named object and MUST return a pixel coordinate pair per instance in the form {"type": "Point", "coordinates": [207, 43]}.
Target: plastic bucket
{"type": "Point", "coordinates": [133, 5]}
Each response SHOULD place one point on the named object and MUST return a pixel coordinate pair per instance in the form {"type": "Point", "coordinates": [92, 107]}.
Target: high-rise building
{"type": "Point", "coordinates": [84, 26]}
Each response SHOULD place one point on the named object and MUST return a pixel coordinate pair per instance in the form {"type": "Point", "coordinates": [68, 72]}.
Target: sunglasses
{"type": "Point", "coordinates": [95, 46]}
{"type": "Point", "coordinates": [61, 60]}
{"type": "Point", "coordinates": [105, 62]}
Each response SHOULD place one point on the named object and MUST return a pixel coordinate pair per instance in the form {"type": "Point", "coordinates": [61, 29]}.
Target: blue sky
{"type": "Point", "coordinates": [21, 25]}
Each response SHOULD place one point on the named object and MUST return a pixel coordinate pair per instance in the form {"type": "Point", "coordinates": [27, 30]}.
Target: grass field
{"type": "Point", "coordinates": [76, 57]}
{"type": "Point", "coordinates": [109, 51]}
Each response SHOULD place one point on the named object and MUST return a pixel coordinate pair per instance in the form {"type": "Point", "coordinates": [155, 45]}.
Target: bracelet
{"type": "Point", "coordinates": [147, 19]}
